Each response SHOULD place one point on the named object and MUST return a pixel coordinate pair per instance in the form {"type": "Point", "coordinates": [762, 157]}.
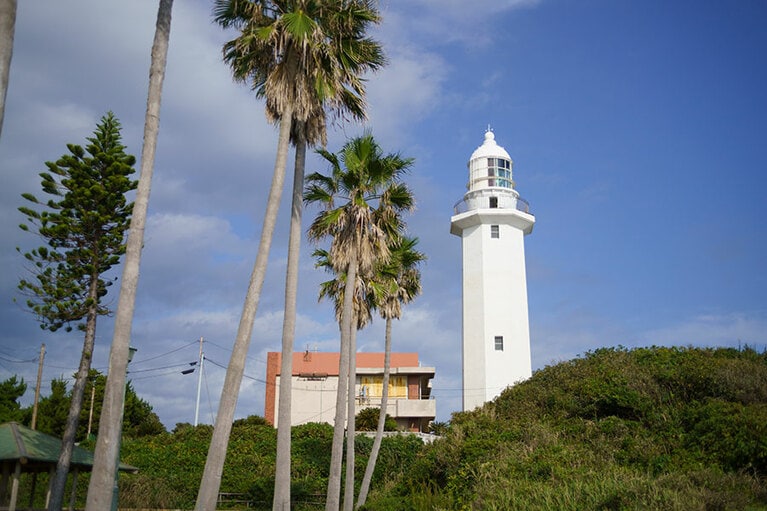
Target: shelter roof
{"type": "Point", "coordinates": [37, 451]}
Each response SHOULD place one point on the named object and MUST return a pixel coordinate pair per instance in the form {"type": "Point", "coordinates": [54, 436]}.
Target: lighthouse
{"type": "Point", "coordinates": [492, 221]}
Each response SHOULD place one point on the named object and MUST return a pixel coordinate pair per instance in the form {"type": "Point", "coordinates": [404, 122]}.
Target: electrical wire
{"type": "Point", "coordinates": [244, 375]}
{"type": "Point", "coordinates": [4, 359]}
{"type": "Point", "coordinates": [161, 368]}
{"type": "Point", "coordinates": [154, 375]}
{"type": "Point", "coordinates": [164, 354]}
{"type": "Point", "coordinates": [230, 350]}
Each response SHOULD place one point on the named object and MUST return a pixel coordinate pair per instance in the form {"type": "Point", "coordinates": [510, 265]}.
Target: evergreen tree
{"type": "Point", "coordinates": [83, 224]}
{"type": "Point", "coordinates": [53, 409]}
{"type": "Point", "coordinates": [10, 391]}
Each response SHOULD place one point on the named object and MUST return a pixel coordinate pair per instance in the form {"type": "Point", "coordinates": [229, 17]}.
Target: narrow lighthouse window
{"type": "Point", "coordinates": [494, 231]}
{"type": "Point", "coordinates": [498, 343]}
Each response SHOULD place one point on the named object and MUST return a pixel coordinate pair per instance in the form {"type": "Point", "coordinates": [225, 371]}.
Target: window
{"type": "Point", "coordinates": [498, 343]}
{"type": "Point", "coordinates": [501, 169]}
{"type": "Point", "coordinates": [495, 231]}
{"type": "Point", "coordinates": [493, 202]}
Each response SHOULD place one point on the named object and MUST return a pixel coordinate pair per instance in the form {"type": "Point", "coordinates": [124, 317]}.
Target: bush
{"type": "Point", "coordinates": [650, 428]}
{"type": "Point", "coordinates": [367, 420]}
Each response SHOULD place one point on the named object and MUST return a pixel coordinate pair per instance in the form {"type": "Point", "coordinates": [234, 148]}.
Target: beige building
{"type": "Point", "coordinates": [315, 383]}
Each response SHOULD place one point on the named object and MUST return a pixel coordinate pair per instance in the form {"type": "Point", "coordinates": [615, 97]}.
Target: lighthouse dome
{"type": "Point", "coordinates": [490, 149]}
{"type": "Point", "coordinates": [490, 168]}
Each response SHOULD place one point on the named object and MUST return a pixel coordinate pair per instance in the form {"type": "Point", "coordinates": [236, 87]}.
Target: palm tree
{"type": "Point", "coordinates": [300, 56]}
{"type": "Point", "coordinates": [362, 305]}
{"type": "Point", "coordinates": [395, 283]}
{"type": "Point", "coordinates": [362, 202]}
{"type": "Point", "coordinates": [107, 453]}
{"type": "Point", "coordinates": [7, 28]}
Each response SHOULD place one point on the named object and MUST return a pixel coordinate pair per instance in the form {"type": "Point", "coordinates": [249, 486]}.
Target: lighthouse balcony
{"type": "Point", "coordinates": [491, 199]}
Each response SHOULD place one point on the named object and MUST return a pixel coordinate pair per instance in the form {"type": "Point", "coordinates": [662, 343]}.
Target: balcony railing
{"type": "Point", "coordinates": [402, 407]}
{"type": "Point", "coordinates": [486, 199]}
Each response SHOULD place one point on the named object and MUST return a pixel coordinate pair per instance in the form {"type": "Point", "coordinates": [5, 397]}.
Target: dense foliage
{"type": "Point", "coordinates": [11, 391]}
{"type": "Point", "coordinates": [655, 428]}
{"type": "Point", "coordinates": [171, 465]}
{"type": "Point", "coordinates": [367, 420]}
{"type": "Point", "coordinates": [650, 429]}
{"type": "Point", "coordinates": [139, 418]}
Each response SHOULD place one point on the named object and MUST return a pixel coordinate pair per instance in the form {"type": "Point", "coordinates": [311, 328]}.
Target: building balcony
{"type": "Point", "coordinates": [416, 408]}
{"type": "Point", "coordinates": [489, 198]}
{"type": "Point", "coordinates": [401, 408]}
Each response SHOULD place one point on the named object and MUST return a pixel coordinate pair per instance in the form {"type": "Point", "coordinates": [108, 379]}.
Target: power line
{"type": "Point", "coordinates": [4, 359]}
{"type": "Point", "coordinates": [230, 349]}
{"type": "Point", "coordinates": [244, 375]}
{"type": "Point", "coordinates": [155, 375]}
{"type": "Point", "coordinates": [163, 354]}
{"type": "Point", "coordinates": [163, 367]}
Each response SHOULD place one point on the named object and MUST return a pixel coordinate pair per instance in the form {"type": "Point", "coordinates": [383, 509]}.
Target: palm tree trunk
{"type": "Point", "coordinates": [7, 29]}
{"type": "Point", "coordinates": [281, 500]}
{"type": "Point", "coordinates": [214, 463]}
{"type": "Point", "coordinates": [350, 427]}
{"type": "Point", "coordinates": [371, 466]}
{"type": "Point", "coordinates": [106, 456]}
{"type": "Point", "coordinates": [333, 501]}
{"type": "Point", "coordinates": [78, 392]}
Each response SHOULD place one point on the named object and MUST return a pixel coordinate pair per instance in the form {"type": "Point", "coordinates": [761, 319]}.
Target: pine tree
{"type": "Point", "coordinates": [11, 391]}
{"type": "Point", "coordinates": [83, 224]}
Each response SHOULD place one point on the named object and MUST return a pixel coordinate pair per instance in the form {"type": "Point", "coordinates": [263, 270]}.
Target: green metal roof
{"type": "Point", "coordinates": [37, 451]}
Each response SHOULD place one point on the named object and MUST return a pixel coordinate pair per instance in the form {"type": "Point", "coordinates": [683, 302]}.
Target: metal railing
{"type": "Point", "coordinates": [489, 200]}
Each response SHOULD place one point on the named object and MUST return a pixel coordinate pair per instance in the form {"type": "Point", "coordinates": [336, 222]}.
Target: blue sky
{"type": "Point", "coordinates": [637, 130]}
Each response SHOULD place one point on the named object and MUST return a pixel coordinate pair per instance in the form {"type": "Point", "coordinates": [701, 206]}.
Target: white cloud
{"type": "Point", "coordinates": [435, 23]}
{"type": "Point", "coordinates": [405, 92]}
{"type": "Point", "coordinates": [712, 329]}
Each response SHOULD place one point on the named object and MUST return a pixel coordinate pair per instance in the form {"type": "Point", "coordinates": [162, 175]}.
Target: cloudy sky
{"type": "Point", "coordinates": [638, 132]}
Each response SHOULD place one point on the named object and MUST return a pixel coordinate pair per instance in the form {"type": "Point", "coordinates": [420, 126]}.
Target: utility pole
{"type": "Point", "coordinates": [37, 387]}
{"type": "Point", "coordinates": [199, 383]}
{"type": "Point", "coordinates": [90, 413]}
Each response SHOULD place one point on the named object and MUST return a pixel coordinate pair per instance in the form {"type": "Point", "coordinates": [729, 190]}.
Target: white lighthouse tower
{"type": "Point", "coordinates": [492, 221]}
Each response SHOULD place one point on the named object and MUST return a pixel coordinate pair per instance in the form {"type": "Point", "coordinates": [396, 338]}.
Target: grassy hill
{"type": "Point", "coordinates": [616, 429]}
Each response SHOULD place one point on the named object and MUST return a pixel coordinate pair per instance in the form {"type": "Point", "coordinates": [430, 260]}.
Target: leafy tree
{"type": "Point", "coordinates": [300, 56]}
{"type": "Point", "coordinates": [251, 420]}
{"type": "Point", "coordinates": [395, 283]}
{"type": "Point", "coordinates": [11, 391]}
{"type": "Point", "coordinates": [362, 200]}
{"type": "Point", "coordinates": [106, 454]}
{"type": "Point", "coordinates": [83, 224]}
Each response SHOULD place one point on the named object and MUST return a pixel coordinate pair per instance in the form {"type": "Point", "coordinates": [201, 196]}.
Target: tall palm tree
{"type": "Point", "coordinates": [362, 201]}
{"type": "Point", "coordinates": [107, 453]}
{"type": "Point", "coordinates": [7, 29]}
{"type": "Point", "coordinates": [300, 56]}
{"type": "Point", "coordinates": [362, 306]}
{"type": "Point", "coordinates": [395, 283]}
